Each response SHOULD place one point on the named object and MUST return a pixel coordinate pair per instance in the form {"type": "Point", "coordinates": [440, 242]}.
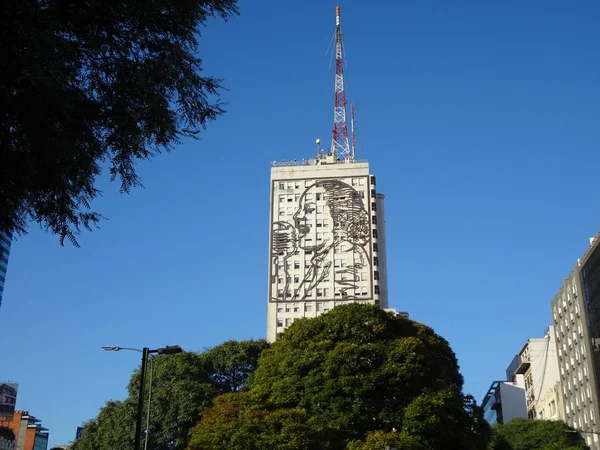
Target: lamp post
{"type": "Point", "coordinates": [168, 350]}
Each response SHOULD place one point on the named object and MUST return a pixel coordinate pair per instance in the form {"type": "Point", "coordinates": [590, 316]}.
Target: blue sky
{"type": "Point", "coordinates": [481, 121]}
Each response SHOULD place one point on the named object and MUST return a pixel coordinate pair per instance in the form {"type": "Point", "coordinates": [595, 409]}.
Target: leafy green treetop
{"type": "Point", "coordinates": [359, 369]}
{"type": "Point", "coordinates": [524, 434]}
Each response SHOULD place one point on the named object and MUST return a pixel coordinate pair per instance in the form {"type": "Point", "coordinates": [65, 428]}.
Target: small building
{"type": "Point", "coordinates": [28, 431]}
{"type": "Point", "coordinates": [504, 401]}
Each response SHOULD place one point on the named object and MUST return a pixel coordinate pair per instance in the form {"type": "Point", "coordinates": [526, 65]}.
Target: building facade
{"type": "Point", "coordinates": [504, 401]}
{"type": "Point", "coordinates": [28, 431]}
{"type": "Point", "coordinates": [5, 241]}
{"type": "Point", "coordinates": [537, 362]}
{"type": "Point", "coordinates": [577, 333]}
{"type": "Point", "coordinates": [327, 239]}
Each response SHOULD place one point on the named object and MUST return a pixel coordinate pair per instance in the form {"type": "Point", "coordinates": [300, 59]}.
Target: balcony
{"type": "Point", "coordinates": [518, 366]}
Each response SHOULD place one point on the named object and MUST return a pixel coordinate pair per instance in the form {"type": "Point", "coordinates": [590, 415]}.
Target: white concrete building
{"type": "Point", "coordinates": [537, 362]}
{"type": "Point", "coordinates": [504, 401]}
{"type": "Point", "coordinates": [327, 239]}
{"type": "Point", "coordinates": [576, 330]}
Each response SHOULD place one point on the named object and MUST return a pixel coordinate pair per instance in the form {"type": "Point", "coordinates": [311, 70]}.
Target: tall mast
{"type": "Point", "coordinates": [353, 132]}
{"type": "Point", "coordinates": [340, 147]}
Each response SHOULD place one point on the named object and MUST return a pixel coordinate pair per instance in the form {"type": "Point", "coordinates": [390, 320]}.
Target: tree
{"type": "Point", "coordinates": [231, 363]}
{"type": "Point", "coordinates": [524, 434]}
{"type": "Point", "coordinates": [183, 386]}
{"type": "Point", "coordinates": [243, 421]}
{"type": "Point", "coordinates": [359, 369]}
{"type": "Point", "coordinates": [380, 440]}
{"type": "Point", "coordinates": [91, 83]}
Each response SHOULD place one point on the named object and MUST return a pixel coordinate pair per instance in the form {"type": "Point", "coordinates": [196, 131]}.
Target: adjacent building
{"type": "Point", "coordinates": [28, 431]}
{"type": "Point", "coordinates": [327, 239]}
{"type": "Point", "coordinates": [576, 320]}
{"type": "Point", "coordinates": [537, 363]}
{"type": "Point", "coordinates": [5, 241]}
{"type": "Point", "coordinates": [504, 401]}
{"type": "Point", "coordinates": [8, 399]}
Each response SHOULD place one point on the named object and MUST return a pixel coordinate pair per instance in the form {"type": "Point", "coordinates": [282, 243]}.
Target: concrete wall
{"type": "Point", "coordinates": [513, 401]}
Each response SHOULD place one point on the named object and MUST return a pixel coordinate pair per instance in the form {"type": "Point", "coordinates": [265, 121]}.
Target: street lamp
{"type": "Point", "coordinates": [168, 350]}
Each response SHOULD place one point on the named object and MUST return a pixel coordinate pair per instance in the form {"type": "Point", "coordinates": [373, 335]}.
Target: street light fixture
{"type": "Point", "coordinates": [146, 352]}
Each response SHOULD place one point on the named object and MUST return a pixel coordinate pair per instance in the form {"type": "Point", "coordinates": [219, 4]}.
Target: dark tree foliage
{"type": "Point", "coordinates": [360, 370]}
{"type": "Point", "coordinates": [92, 82]}
{"type": "Point", "coordinates": [524, 434]}
{"type": "Point", "coordinates": [231, 363]}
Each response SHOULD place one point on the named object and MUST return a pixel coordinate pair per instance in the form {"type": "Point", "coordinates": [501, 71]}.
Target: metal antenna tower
{"type": "Point", "coordinates": [340, 147]}
{"type": "Point", "coordinates": [353, 131]}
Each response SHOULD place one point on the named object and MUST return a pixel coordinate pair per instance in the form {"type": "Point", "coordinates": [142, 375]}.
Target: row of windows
{"type": "Point", "coordinates": [308, 307]}
{"type": "Point", "coordinates": [306, 183]}
{"type": "Point", "coordinates": [337, 263]}
{"type": "Point", "coordinates": [325, 292]}
{"type": "Point", "coordinates": [361, 276]}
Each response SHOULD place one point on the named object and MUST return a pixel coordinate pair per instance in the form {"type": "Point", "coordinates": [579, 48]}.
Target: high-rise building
{"type": "Point", "coordinates": [28, 431]}
{"type": "Point", "coordinates": [327, 239]}
{"type": "Point", "coordinates": [5, 240]}
{"type": "Point", "coordinates": [537, 362]}
{"type": "Point", "coordinates": [327, 226]}
{"type": "Point", "coordinates": [576, 316]}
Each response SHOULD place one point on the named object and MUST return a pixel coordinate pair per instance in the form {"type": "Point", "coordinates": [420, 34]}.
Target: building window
{"type": "Point", "coordinates": [373, 180]}
{"type": "Point", "coordinates": [372, 193]}
{"type": "Point", "coordinates": [376, 275]}
{"type": "Point", "coordinates": [319, 292]}
{"type": "Point", "coordinates": [279, 322]}
{"type": "Point", "coordinates": [319, 307]}
{"type": "Point", "coordinates": [296, 279]}
{"type": "Point", "coordinates": [374, 220]}
{"type": "Point", "coordinates": [307, 308]}
{"type": "Point", "coordinates": [296, 264]}
{"type": "Point", "coordinates": [375, 247]}
{"type": "Point", "coordinates": [376, 289]}
{"type": "Point", "coordinates": [325, 292]}
{"type": "Point", "coordinates": [281, 185]}
{"type": "Point", "coordinates": [375, 261]}
{"type": "Point", "coordinates": [297, 185]}
{"type": "Point", "coordinates": [287, 308]}
{"type": "Point", "coordinates": [281, 198]}
{"type": "Point", "coordinates": [288, 322]}
{"type": "Point", "coordinates": [374, 234]}
{"type": "Point", "coordinates": [280, 309]}
{"type": "Point", "coordinates": [279, 293]}
{"type": "Point", "coordinates": [319, 196]}
{"type": "Point", "coordinates": [296, 308]}
{"type": "Point", "coordinates": [373, 206]}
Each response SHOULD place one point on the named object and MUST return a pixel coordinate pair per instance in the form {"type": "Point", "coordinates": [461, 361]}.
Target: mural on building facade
{"type": "Point", "coordinates": [349, 234]}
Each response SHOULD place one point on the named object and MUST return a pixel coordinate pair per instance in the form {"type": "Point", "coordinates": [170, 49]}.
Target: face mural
{"type": "Point", "coordinates": [330, 223]}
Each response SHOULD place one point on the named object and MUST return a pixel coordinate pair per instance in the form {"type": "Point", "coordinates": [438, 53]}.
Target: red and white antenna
{"type": "Point", "coordinates": [340, 147]}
